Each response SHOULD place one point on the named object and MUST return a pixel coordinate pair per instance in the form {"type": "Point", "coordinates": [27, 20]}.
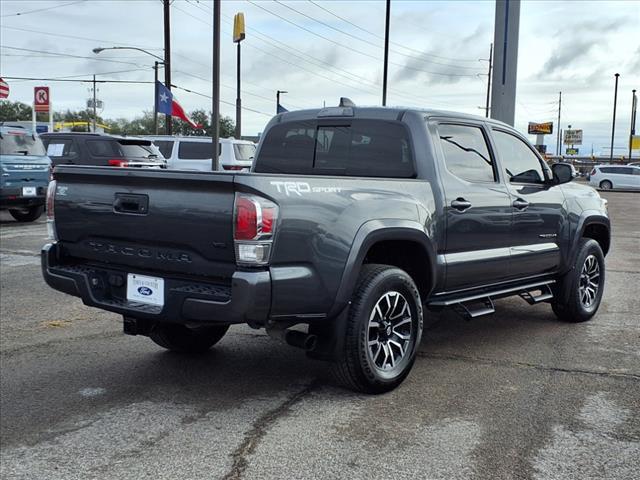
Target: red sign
{"type": "Point", "coordinates": [41, 99]}
{"type": "Point", "coordinates": [4, 89]}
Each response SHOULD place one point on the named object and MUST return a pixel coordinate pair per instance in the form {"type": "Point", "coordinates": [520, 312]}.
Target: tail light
{"type": "Point", "coordinates": [255, 220]}
{"type": "Point", "coordinates": [593, 172]}
{"type": "Point", "coordinates": [118, 162]}
{"type": "Point", "coordinates": [51, 219]}
{"type": "Point", "coordinates": [232, 167]}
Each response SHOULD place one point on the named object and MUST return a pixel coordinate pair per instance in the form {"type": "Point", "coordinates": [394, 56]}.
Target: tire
{"type": "Point", "coordinates": [579, 292]}
{"type": "Point", "coordinates": [606, 185]}
{"type": "Point", "coordinates": [28, 214]}
{"type": "Point", "coordinates": [181, 339]}
{"type": "Point", "coordinates": [382, 293]}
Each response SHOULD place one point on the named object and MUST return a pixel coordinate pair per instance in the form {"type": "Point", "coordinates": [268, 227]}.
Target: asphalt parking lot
{"type": "Point", "coordinates": [514, 395]}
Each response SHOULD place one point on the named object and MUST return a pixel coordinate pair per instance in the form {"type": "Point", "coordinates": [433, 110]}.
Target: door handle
{"type": "Point", "coordinates": [520, 204]}
{"type": "Point", "coordinates": [461, 204]}
{"type": "Point", "coordinates": [131, 203]}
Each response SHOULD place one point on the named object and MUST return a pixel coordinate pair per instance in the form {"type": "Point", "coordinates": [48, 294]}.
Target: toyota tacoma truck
{"type": "Point", "coordinates": [353, 224]}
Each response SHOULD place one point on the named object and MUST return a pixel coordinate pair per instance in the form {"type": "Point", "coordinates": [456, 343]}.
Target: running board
{"type": "Point", "coordinates": [465, 305]}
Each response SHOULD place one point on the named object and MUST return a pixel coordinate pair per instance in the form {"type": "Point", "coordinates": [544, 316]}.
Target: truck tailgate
{"type": "Point", "coordinates": [160, 220]}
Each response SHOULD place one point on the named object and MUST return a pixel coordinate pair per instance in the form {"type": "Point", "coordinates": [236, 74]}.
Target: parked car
{"type": "Point", "coordinates": [194, 153]}
{"type": "Point", "coordinates": [24, 173]}
{"type": "Point", "coordinates": [606, 177]}
{"type": "Point", "coordinates": [354, 223]}
{"type": "Point", "coordinates": [80, 148]}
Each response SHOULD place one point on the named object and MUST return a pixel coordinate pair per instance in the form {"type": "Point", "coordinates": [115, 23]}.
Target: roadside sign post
{"type": "Point", "coordinates": [540, 130]}
{"type": "Point", "coordinates": [42, 103]}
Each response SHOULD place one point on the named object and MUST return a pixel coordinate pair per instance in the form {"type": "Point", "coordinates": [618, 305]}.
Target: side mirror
{"type": "Point", "coordinates": [563, 172]}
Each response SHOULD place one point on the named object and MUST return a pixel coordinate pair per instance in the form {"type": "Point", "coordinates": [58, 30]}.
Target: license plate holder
{"type": "Point", "coordinates": [145, 289]}
{"type": "Point", "coordinates": [29, 191]}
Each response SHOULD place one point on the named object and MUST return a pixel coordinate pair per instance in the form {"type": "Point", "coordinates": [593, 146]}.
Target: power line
{"type": "Point", "coordinates": [353, 49]}
{"type": "Point", "coordinates": [222, 101]}
{"type": "Point", "coordinates": [69, 55]}
{"type": "Point", "coordinates": [73, 37]}
{"type": "Point", "coordinates": [413, 57]}
{"type": "Point", "coordinates": [394, 43]}
{"type": "Point", "coordinates": [40, 9]}
{"type": "Point", "coordinates": [72, 80]}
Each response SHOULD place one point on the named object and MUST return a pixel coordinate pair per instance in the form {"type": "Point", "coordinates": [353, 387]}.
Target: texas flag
{"type": "Point", "coordinates": [166, 103]}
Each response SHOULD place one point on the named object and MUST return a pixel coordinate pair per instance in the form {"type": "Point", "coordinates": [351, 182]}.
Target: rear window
{"type": "Point", "coordinates": [139, 150]}
{"type": "Point", "coordinates": [57, 148]}
{"type": "Point", "coordinates": [165, 147]}
{"type": "Point", "coordinates": [20, 143]}
{"type": "Point", "coordinates": [103, 148]}
{"type": "Point", "coordinates": [244, 151]}
{"type": "Point", "coordinates": [195, 150]}
{"type": "Point", "coordinates": [367, 148]}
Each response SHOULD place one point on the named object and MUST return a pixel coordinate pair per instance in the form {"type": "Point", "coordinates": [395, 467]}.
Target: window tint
{"type": "Point", "coordinates": [244, 151]}
{"type": "Point", "coordinates": [607, 169]}
{"type": "Point", "coordinates": [519, 162]}
{"type": "Point", "coordinates": [363, 148]}
{"type": "Point", "coordinates": [103, 148]}
{"type": "Point", "coordinates": [466, 153]}
{"type": "Point", "coordinates": [195, 150]}
{"type": "Point", "coordinates": [138, 150]}
{"type": "Point", "coordinates": [165, 147]}
{"type": "Point", "coordinates": [636, 171]}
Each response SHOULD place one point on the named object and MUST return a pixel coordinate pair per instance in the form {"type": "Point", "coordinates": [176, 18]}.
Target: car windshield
{"type": "Point", "coordinates": [140, 150]}
{"type": "Point", "coordinates": [21, 143]}
{"type": "Point", "coordinates": [244, 151]}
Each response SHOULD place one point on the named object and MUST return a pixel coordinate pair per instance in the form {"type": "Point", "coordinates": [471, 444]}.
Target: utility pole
{"type": "Point", "coordinates": [155, 98]}
{"type": "Point", "coordinates": [238, 36]}
{"type": "Point", "coordinates": [386, 54]}
{"type": "Point", "coordinates": [634, 106]}
{"type": "Point", "coordinates": [486, 110]}
{"type": "Point", "coordinates": [613, 124]}
{"type": "Point", "coordinates": [167, 56]}
{"type": "Point", "coordinates": [558, 144]}
{"type": "Point", "coordinates": [215, 94]}
{"type": "Point", "coordinates": [95, 112]}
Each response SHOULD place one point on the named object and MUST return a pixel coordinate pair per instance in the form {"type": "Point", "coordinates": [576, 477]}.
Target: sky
{"type": "Point", "coordinates": [321, 50]}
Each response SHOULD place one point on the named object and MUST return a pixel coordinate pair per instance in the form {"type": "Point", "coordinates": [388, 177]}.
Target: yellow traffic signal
{"type": "Point", "coordinates": [238, 27]}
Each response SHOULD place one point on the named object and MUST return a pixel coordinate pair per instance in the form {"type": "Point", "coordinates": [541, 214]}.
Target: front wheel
{"type": "Point", "coordinates": [579, 292]}
{"type": "Point", "coordinates": [181, 339]}
{"type": "Point", "coordinates": [384, 328]}
{"type": "Point", "coordinates": [27, 214]}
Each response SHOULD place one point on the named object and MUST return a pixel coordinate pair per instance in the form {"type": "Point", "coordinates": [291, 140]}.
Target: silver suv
{"type": "Point", "coordinates": [606, 177]}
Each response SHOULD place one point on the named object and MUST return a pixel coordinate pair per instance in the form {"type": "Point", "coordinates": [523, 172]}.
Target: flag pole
{"type": "Point", "coordinates": [215, 97]}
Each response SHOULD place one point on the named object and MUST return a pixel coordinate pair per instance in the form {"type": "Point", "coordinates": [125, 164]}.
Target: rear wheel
{"type": "Point", "coordinates": [384, 328]}
{"type": "Point", "coordinates": [579, 292]}
{"type": "Point", "coordinates": [29, 214]}
{"type": "Point", "coordinates": [181, 339]}
{"type": "Point", "coordinates": [606, 185]}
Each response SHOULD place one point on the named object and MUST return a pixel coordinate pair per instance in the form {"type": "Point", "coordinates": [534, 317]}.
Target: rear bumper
{"type": "Point", "coordinates": [12, 197]}
{"type": "Point", "coordinates": [246, 300]}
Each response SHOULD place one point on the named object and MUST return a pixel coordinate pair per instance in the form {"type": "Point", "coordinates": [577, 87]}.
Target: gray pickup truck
{"type": "Point", "coordinates": [353, 224]}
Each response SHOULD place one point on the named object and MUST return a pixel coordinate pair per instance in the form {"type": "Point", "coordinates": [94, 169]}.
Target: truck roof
{"type": "Point", "coordinates": [377, 112]}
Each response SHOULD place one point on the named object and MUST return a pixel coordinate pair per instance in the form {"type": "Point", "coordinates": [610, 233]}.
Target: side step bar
{"type": "Point", "coordinates": [477, 305]}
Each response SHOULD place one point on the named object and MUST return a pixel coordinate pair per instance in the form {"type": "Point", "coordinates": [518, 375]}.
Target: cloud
{"type": "Point", "coordinates": [567, 55]}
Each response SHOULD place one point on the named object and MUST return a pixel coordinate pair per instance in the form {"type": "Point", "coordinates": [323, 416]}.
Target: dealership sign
{"type": "Point", "coordinates": [573, 137]}
{"type": "Point", "coordinates": [540, 128]}
{"type": "Point", "coordinates": [41, 99]}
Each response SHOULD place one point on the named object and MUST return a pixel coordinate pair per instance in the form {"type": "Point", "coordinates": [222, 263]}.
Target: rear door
{"type": "Point", "coordinates": [538, 207]}
{"type": "Point", "coordinates": [477, 207]}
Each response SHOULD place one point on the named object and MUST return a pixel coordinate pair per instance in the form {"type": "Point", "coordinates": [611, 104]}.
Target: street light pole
{"type": "Point", "coordinates": [558, 144]}
{"type": "Point", "coordinates": [95, 114]}
{"type": "Point", "coordinates": [386, 54]}
{"type": "Point", "coordinates": [613, 124]}
{"type": "Point", "coordinates": [167, 57]}
{"type": "Point", "coordinates": [238, 36]}
{"type": "Point", "coordinates": [215, 94]}
{"type": "Point", "coordinates": [634, 105]}
{"type": "Point", "coordinates": [155, 97]}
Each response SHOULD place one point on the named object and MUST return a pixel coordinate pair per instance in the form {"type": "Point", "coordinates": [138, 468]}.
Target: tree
{"type": "Point", "coordinates": [227, 127]}
{"type": "Point", "coordinates": [14, 111]}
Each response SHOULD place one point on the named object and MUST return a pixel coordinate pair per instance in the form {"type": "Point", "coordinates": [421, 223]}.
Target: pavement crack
{"type": "Point", "coordinates": [534, 366]}
{"type": "Point", "coordinates": [259, 429]}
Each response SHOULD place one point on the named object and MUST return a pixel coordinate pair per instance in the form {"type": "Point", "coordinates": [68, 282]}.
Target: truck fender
{"type": "Point", "coordinates": [587, 218]}
{"type": "Point", "coordinates": [369, 234]}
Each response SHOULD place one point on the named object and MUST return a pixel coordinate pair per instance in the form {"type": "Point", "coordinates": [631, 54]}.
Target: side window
{"type": "Point", "coordinates": [519, 162]}
{"type": "Point", "coordinates": [102, 148]}
{"type": "Point", "coordinates": [288, 148]}
{"type": "Point", "coordinates": [57, 148]}
{"type": "Point", "coordinates": [636, 171]}
{"type": "Point", "coordinates": [626, 170]}
{"type": "Point", "coordinates": [195, 150]}
{"type": "Point", "coordinates": [466, 154]}
{"type": "Point", "coordinates": [165, 147]}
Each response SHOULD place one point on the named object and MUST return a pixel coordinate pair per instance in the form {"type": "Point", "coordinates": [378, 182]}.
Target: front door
{"type": "Point", "coordinates": [477, 209]}
{"type": "Point", "coordinates": [538, 209]}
